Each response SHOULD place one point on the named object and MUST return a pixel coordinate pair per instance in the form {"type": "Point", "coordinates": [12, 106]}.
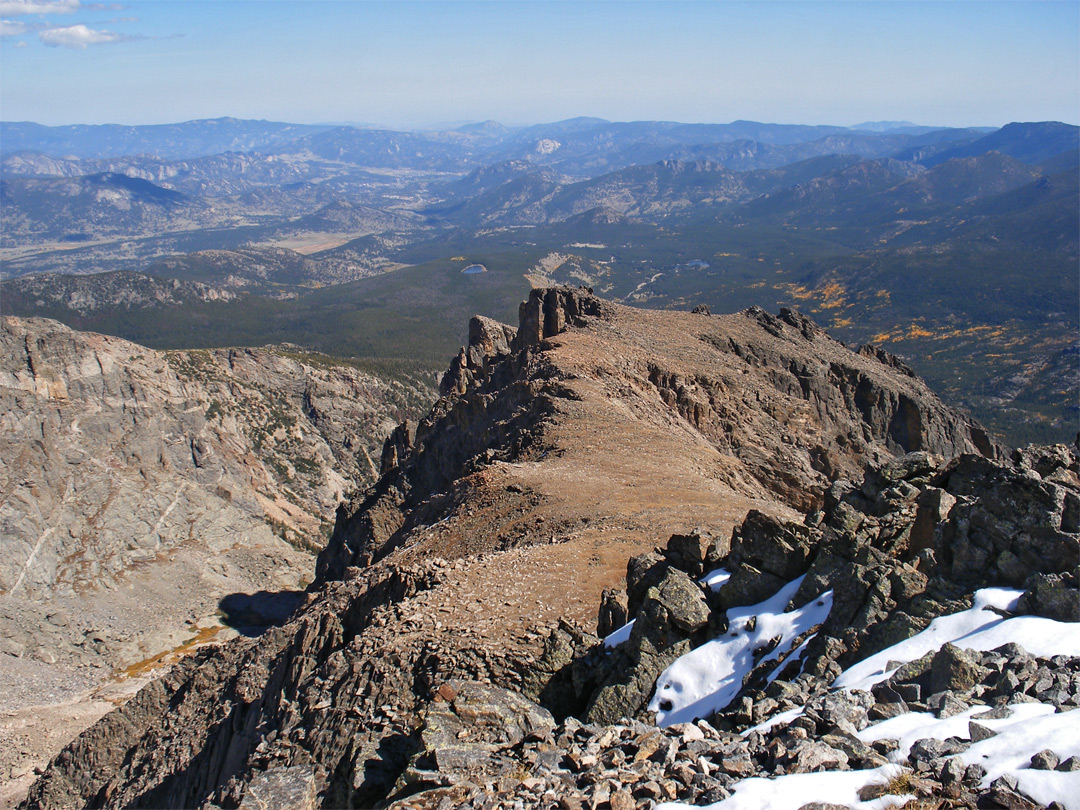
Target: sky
{"type": "Point", "coordinates": [427, 64]}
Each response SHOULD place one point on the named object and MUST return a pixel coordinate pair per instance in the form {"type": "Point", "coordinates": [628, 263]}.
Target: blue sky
{"type": "Point", "coordinates": [407, 64]}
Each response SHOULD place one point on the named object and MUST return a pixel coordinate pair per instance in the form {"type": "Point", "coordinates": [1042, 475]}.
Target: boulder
{"type": "Point", "coordinates": [810, 756]}
{"type": "Point", "coordinates": [290, 788]}
{"type": "Point", "coordinates": [690, 551]}
{"type": "Point", "coordinates": [1054, 596]}
{"type": "Point", "coordinates": [780, 548]}
{"type": "Point", "coordinates": [954, 669]}
{"type": "Point", "coordinates": [934, 506]}
{"type": "Point", "coordinates": [643, 572]}
{"type": "Point", "coordinates": [613, 612]}
{"type": "Point", "coordinates": [683, 600]}
{"type": "Point", "coordinates": [466, 724]}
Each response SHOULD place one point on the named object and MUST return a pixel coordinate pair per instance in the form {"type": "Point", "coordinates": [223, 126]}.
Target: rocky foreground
{"type": "Point", "coordinates": [887, 581]}
{"type": "Point", "coordinates": [739, 479]}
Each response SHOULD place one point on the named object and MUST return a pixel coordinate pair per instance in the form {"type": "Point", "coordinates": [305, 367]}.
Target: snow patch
{"type": "Point", "coordinates": [792, 791]}
{"type": "Point", "coordinates": [979, 628]}
{"type": "Point", "coordinates": [909, 728]}
{"type": "Point", "coordinates": [715, 579]}
{"type": "Point", "coordinates": [619, 636]}
{"type": "Point", "coordinates": [1029, 729]}
{"type": "Point", "coordinates": [707, 678]}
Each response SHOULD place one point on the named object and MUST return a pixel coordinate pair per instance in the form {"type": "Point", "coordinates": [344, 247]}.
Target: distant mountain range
{"type": "Point", "coordinates": [582, 146]}
{"type": "Point", "coordinates": [953, 247]}
{"type": "Point", "coordinates": [170, 141]}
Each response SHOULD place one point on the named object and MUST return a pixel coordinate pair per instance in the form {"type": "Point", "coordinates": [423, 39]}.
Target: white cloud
{"type": "Point", "coordinates": [77, 36]}
{"type": "Point", "coordinates": [10, 28]}
{"type": "Point", "coordinates": [13, 8]}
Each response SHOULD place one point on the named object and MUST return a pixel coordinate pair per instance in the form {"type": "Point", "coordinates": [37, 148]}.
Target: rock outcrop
{"type": "Point", "coordinates": [781, 408]}
{"type": "Point", "coordinates": [114, 452]}
{"type": "Point", "coordinates": [559, 450]}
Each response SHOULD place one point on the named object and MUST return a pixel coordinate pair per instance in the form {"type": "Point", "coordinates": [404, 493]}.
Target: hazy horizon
{"type": "Point", "coordinates": [458, 124]}
{"type": "Point", "coordinates": [413, 65]}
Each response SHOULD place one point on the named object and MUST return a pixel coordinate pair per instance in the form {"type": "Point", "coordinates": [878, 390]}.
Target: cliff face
{"type": "Point", "coordinates": [140, 489]}
{"type": "Point", "coordinates": [113, 453]}
{"type": "Point", "coordinates": [561, 448]}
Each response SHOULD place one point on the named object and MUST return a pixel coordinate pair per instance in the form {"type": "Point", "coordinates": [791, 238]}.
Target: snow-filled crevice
{"type": "Point", "coordinates": [619, 636]}
{"type": "Point", "coordinates": [709, 677]}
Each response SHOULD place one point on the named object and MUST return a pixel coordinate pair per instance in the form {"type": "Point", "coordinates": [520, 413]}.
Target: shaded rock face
{"type": "Point", "coordinates": [489, 340]}
{"type": "Point", "coordinates": [549, 312]}
{"type": "Point", "coordinates": [544, 456]}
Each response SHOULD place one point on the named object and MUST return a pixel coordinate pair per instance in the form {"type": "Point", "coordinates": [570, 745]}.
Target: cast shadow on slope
{"type": "Point", "coordinates": [252, 614]}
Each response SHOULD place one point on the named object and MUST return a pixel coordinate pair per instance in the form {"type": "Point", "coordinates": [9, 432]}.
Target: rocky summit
{"type": "Point", "coordinates": [636, 557]}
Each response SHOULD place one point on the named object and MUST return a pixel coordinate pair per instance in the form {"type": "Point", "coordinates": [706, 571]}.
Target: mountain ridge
{"type": "Point", "coordinates": [519, 475]}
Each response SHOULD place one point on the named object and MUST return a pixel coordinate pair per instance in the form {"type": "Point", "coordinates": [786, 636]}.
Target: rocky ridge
{"type": "Point", "coordinates": [85, 294]}
{"type": "Point", "coordinates": [558, 450]}
{"type": "Point", "coordinates": [782, 408]}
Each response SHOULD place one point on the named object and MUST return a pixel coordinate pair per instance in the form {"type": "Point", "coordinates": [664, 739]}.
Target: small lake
{"type": "Point", "coordinates": [697, 264]}
{"type": "Point", "coordinates": [473, 269]}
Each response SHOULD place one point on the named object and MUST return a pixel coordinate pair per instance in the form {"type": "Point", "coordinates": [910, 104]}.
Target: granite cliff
{"type": "Point", "coordinates": [138, 489]}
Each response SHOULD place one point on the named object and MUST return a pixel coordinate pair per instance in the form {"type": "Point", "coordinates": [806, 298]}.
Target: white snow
{"type": "Point", "coordinates": [782, 718]}
{"type": "Point", "coordinates": [1050, 786]}
{"type": "Point", "coordinates": [715, 579]}
{"type": "Point", "coordinates": [909, 728]}
{"type": "Point", "coordinates": [710, 676]}
{"type": "Point", "coordinates": [1012, 749]}
{"type": "Point", "coordinates": [619, 636]}
{"type": "Point", "coordinates": [794, 790]}
{"type": "Point", "coordinates": [707, 678]}
{"type": "Point", "coordinates": [978, 629]}
{"type": "Point", "coordinates": [1029, 729]}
